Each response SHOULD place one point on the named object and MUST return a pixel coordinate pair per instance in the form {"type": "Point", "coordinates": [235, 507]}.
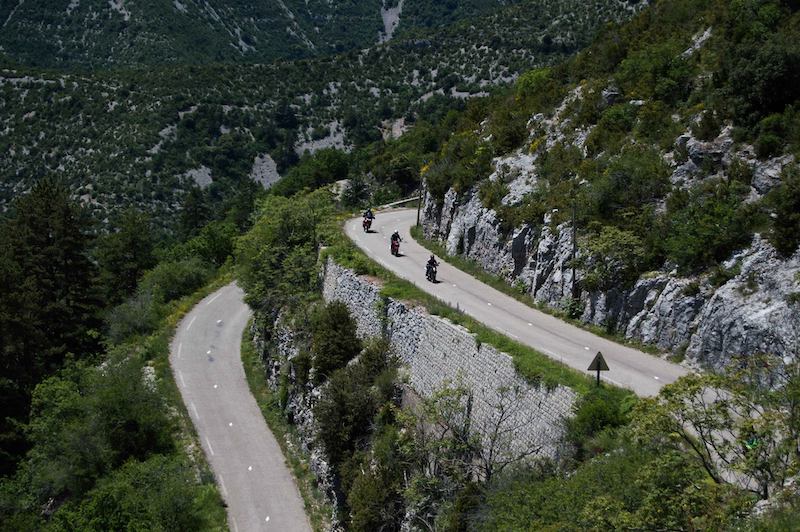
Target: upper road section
{"type": "Point", "coordinates": [629, 368]}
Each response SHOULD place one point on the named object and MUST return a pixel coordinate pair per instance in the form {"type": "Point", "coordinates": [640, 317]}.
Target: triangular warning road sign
{"type": "Point", "coordinates": [599, 363]}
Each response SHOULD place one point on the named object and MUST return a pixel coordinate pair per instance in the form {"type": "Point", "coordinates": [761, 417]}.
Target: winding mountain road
{"type": "Point", "coordinates": [629, 368]}
{"type": "Point", "coordinates": [248, 463]}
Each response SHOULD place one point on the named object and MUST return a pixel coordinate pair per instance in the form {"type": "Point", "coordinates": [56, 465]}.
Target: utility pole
{"type": "Point", "coordinates": [421, 195]}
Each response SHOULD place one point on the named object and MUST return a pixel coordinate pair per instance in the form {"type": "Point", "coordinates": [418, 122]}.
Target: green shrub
{"type": "Point", "coordinates": [600, 409]}
{"type": "Point", "coordinates": [784, 232]}
{"type": "Point", "coordinates": [634, 179]}
{"type": "Point", "coordinates": [613, 257]}
{"type": "Point", "coordinates": [139, 315]}
{"type": "Point", "coordinates": [707, 225]}
{"type": "Point", "coordinates": [333, 339]}
{"type": "Point", "coordinates": [170, 280]}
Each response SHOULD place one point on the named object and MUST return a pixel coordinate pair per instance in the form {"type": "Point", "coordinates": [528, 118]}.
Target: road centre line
{"type": "Point", "coordinates": [213, 298]}
{"type": "Point", "coordinates": [190, 324]}
{"type": "Point", "coordinates": [194, 409]}
{"type": "Point", "coordinates": [180, 349]}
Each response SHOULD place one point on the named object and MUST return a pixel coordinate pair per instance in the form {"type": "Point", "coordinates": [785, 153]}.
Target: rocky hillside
{"type": "Point", "coordinates": [673, 144]}
{"type": "Point", "coordinates": [135, 137]}
{"type": "Point", "coordinates": [102, 33]}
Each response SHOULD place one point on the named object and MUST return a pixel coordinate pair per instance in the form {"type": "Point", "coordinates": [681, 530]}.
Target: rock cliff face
{"type": "Point", "coordinates": [754, 311]}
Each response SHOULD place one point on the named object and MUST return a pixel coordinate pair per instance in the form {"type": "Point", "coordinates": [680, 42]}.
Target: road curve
{"type": "Point", "coordinates": [248, 464]}
{"type": "Point", "coordinates": [630, 368]}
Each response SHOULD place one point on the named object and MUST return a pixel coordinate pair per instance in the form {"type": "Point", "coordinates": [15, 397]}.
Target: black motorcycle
{"type": "Point", "coordinates": [430, 273]}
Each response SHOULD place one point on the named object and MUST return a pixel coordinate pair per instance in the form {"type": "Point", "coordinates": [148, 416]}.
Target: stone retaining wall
{"type": "Point", "coordinates": [437, 352]}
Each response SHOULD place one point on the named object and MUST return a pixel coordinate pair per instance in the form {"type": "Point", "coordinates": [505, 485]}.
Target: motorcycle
{"type": "Point", "coordinates": [395, 247]}
{"type": "Point", "coordinates": [430, 273]}
{"type": "Point", "coordinates": [366, 224]}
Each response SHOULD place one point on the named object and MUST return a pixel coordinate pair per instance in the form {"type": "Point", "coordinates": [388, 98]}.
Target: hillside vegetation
{"type": "Point", "coordinates": [145, 137]}
{"type": "Point", "coordinates": [605, 131]}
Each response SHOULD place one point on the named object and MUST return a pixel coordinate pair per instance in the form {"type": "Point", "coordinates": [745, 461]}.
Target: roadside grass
{"type": "Point", "coordinates": [501, 285]}
{"type": "Point", "coordinates": [316, 505]}
{"type": "Point", "coordinates": [534, 366]}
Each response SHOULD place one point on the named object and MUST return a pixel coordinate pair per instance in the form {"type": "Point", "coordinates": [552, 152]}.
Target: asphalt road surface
{"type": "Point", "coordinates": [638, 371]}
{"type": "Point", "coordinates": [248, 464]}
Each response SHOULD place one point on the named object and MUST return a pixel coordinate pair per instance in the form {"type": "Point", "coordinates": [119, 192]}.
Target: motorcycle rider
{"type": "Point", "coordinates": [430, 268]}
{"type": "Point", "coordinates": [395, 247]}
{"type": "Point", "coordinates": [368, 217]}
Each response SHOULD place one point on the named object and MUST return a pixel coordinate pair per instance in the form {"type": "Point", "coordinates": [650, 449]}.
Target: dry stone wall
{"type": "Point", "coordinates": [437, 353]}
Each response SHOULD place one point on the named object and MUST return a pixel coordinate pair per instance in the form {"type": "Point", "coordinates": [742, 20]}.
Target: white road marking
{"type": "Point", "coordinates": [656, 377]}
{"type": "Point", "coordinates": [267, 519]}
{"type": "Point", "coordinates": [208, 352]}
{"type": "Point", "coordinates": [215, 386]}
{"type": "Point", "coordinates": [190, 324]}
{"type": "Point", "coordinates": [180, 348]}
{"type": "Point", "coordinates": [235, 526]}
{"type": "Point", "coordinates": [530, 324]}
{"type": "Point", "coordinates": [222, 486]}
{"type": "Point", "coordinates": [249, 468]}
{"type": "Point", "coordinates": [586, 347]}
{"type": "Point", "coordinates": [208, 442]}
{"type": "Point", "coordinates": [213, 298]}
{"type": "Point", "coordinates": [454, 286]}
{"type": "Point", "coordinates": [219, 322]}
{"type": "Point", "coordinates": [194, 409]}
{"type": "Point", "coordinates": [488, 303]}
{"type": "Point", "coordinates": [230, 424]}
{"type": "Point", "coordinates": [183, 382]}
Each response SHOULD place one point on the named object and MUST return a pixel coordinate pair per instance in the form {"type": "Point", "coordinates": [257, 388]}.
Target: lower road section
{"type": "Point", "coordinates": [248, 464]}
{"type": "Point", "coordinates": [643, 373]}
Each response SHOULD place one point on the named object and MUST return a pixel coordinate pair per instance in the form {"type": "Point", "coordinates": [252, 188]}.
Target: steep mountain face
{"type": "Point", "coordinates": [143, 138]}
{"type": "Point", "coordinates": [102, 33]}
{"type": "Point", "coordinates": [681, 177]}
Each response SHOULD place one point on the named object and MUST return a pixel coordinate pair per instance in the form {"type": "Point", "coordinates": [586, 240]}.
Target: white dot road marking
{"type": "Point", "coordinates": [488, 303]}
{"type": "Point", "coordinates": [213, 298]}
{"type": "Point", "coordinates": [208, 352]}
{"type": "Point", "coordinates": [656, 377]}
{"type": "Point", "coordinates": [230, 424]}
{"type": "Point", "coordinates": [208, 442]}
{"type": "Point", "coordinates": [180, 348]}
{"type": "Point", "coordinates": [222, 486]}
{"type": "Point", "coordinates": [190, 324]}
{"type": "Point", "coordinates": [219, 322]}
{"type": "Point", "coordinates": [249, 468]}
{"type": "Point", "coordinates": [586, 347]}
{"type": "Point", "coordinates": [454, 286]}
{"type": "Point", "coordinates": [216, 386]}
{"type": "Point", "coordinates": [530, 324]}
{"type": "Point", "coordinates": [194, 409]}
{"type": "Point", "coordinates": [267, 519]}
{"type": "Point", "coordinates": [183, 382]}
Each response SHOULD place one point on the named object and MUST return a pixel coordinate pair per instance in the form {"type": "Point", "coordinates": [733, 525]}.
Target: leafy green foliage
{"type": "Point", "coordinates": [785, 203]}
{"type": "Point", "coordinates": [156, 494]}
{"type": "Point", "coordinates": [277, 259]}
{"type": "Point", "coordinates": [333, 340]}
{"type": "Point", "coordinates": [706, 225]}
{"type": "Point", "coordinates": [612, 258]}
{"type": "Point", "coordinates": [314, 171]}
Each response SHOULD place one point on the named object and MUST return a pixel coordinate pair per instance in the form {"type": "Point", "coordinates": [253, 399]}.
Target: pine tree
{"type": "Point", "coordinates": [49, 304]}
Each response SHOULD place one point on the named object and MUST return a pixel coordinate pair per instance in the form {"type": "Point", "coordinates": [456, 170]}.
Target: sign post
{"type": "Point", "coordinates": [598, 365]}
